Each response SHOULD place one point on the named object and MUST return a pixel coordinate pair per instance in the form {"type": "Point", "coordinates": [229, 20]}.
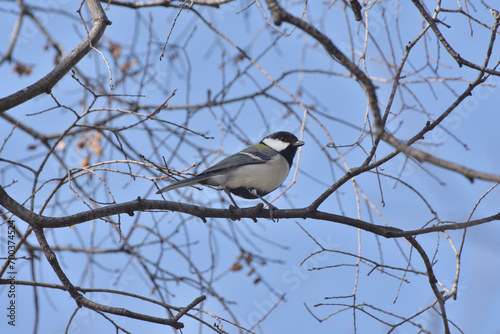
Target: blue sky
{"type": "Point", "coordinates": [198, 61]}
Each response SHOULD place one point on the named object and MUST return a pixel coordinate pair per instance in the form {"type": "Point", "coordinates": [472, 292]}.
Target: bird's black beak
{"type": "Point", "coordinates": [298, 143]}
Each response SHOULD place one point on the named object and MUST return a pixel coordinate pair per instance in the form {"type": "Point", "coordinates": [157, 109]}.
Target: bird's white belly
{"type": "Point", "coordinates": [265, 177]}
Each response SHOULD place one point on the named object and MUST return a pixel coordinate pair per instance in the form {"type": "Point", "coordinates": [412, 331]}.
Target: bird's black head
{"type": "Point", "coordinates": [284, 143]}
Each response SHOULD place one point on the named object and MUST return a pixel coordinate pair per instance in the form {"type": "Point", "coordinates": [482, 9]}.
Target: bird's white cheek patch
{"type": "Point", "coordinates": [276, 144]}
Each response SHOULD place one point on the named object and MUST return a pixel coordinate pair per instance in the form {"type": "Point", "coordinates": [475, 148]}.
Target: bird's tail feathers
{"type": "Point", "coordinates": [184, 183]}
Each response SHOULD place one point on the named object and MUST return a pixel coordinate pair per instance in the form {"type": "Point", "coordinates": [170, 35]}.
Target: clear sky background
{"type": "Point", "coordinates": [198, 61]}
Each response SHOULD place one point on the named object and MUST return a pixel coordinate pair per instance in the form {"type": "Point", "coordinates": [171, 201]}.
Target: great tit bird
{"type": "Point", "coordinates": [251, 173]}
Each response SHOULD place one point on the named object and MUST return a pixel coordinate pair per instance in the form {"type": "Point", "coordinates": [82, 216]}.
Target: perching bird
{"type": "Point", "coordinates": [251, 173]}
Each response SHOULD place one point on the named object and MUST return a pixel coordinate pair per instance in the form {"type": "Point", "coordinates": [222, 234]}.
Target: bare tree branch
{"type": "Point", "coordinates": [45, 84]}
{"type": "Point", "coordinates": [380, 102]}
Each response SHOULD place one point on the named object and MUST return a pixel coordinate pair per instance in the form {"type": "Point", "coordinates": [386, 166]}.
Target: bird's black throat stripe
{"type": "Point", "coordinates": [289, 154]}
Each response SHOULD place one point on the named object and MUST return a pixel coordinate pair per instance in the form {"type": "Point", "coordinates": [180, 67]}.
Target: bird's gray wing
{"type": "Point", "coordinates": [257, 154]}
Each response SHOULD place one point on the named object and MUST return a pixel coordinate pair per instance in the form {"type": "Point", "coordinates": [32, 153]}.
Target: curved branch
{"type": "Point", "coordinates": [432, 281]}
{"type": "Point", "coordinates": [234, 213]}
{"type": "Point", "coordinates": [84, 302]}
{"type": "Point", "coordinates": [460, 61]}
{"type": "Point", "coordinates": [38, 222]}
{"type": "Point", "coordinates": [46, 84]}
{"type": "Point", "coordinates": [164, 3]}
{"type": "Point", "coordinates": [280, 15]}
{"type": "Point", "coordinates": [14, 34]}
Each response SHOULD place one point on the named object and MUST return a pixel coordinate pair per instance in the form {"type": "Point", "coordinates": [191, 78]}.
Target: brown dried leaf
{"type": "Point", "coordinates": [96, 143]}
{"type": "Point", "coordinates": [85, 162]}
{"type": "Point", "coordinates": [116, 50]}
{"type": "Point", "coordinates": [21, 69]}
{"type": "Point", "coordinates": [236, 266]}
{"type": "Point", "coordinates": [239, 58]}
{"type": "Point", "coordinates": [98, 150]}
{"type": "Point", "coordinates": [127, 65]}
{"type": "Point", "coordinates": [80, 144]}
